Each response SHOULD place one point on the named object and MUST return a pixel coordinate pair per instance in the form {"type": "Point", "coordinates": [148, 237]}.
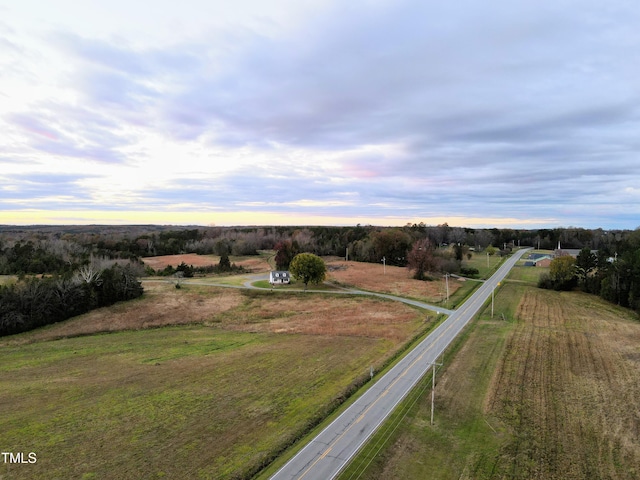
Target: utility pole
{"type": "Point", "coordinates": [446, 279]}
{"type": "Point", "coordinates": [433, 388]}
{"type": "Point", "coordinates": [384, 265]}
{"type": "Point", "coordinates": [492, 290]}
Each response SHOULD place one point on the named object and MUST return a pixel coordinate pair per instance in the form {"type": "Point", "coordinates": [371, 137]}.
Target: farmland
{"type": "Point", "coordinates": [549, 392]}
{"type": "Point", "coordinates": [254, 263]}
{"type": "Point", "coordinates": [200, 382]}
{"type": "Point", "coordinates": [393, 280]}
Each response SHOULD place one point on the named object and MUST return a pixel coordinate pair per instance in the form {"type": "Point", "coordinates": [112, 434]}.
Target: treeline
{"type": "Point", "coordinates": [609, 265]}
{"type": "Point", "coordinates": [38, 256]}
{"type": "Point", "coordinates": [34, 302]}
{"type": "Point", "coordinates": [30, 250]}
{"type": "Point", "coordinates": [611, 273]}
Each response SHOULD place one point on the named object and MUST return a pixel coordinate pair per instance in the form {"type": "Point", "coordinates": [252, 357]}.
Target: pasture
{"type": "Point", "coordinates": [200, 382]}
{"type": "Point", "coordinates": [253, 263]}
{"type": "Point", "coordinates": [389, 279]}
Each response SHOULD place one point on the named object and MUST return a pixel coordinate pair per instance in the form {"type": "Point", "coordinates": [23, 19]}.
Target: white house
{"type": "Point", "coordinates": [279, 277]}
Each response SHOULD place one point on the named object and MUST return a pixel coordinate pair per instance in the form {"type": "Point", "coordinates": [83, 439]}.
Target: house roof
{"type": "Point", "coordinates": [279, 274]}
{"type": "Point", "coordinates": [538, 256]}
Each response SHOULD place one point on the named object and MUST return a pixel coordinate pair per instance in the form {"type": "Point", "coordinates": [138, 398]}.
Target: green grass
{"type": "Point", "coordinates": [486, 264]}
{"type": "Point", "coordinates": [461, 294]}
{"type": "Point", "coordinates": [389, 364]}
{"type": "Point", "coordinates": [528, 275]}
{"type": "Point", "coordinates": [178, 402]}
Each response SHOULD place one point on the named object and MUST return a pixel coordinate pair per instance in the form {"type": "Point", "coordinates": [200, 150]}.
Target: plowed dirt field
{"type": "Point", "coordinates": [568, 386]}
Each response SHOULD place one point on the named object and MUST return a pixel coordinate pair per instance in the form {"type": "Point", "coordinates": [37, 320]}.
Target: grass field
{"type": "Point", "coordinates": [551, 393]}
{"type": "Point", "coordinates": [486, 264]}
{"type": "Point", "coordinates": [389, 279]}
{"type": "Point", "coordinates": [253, 263]}
{"type": "Point", "coordinates": [125, 393]}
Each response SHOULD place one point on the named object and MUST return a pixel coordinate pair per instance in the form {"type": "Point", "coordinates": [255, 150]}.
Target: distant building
{"type": "Point", "coordinates": [538, 260]}
{"type": "Point", "coordinates": [543, 262]}
{"type": "Point", "coordinates": [279, 277]}
{"type": "Point", "coordinates": [571, 252]}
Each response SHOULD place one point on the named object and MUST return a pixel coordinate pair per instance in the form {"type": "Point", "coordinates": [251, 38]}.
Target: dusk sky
{"type": "Point", "coordinates": [281, 112]}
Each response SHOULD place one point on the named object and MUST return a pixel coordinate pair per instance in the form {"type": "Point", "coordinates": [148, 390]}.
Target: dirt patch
{"type": "Point", "coordinates": [395, 280]}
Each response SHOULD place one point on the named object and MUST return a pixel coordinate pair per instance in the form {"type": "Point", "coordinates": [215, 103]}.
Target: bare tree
{"type": "Point", "coordinates": [421, 258]}
{"type": "Point", "coordinates": [457, 235]}
{"type": "Point", "coordinates": [90, 273]}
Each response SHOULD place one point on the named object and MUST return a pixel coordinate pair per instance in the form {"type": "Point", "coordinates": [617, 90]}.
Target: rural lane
{"type": "Point", "coordinates": [329, 452]}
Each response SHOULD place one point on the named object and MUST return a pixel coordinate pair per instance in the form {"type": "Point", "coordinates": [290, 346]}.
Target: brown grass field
{"type": "Point", "coordinates": [200, 382]}
{"type": "Point", "coordinates": [366, 276]}
{"type": "Point", "coordinates": [396, 280]}
{"type": "Point", "coordinates": [255, 264]}
{"type": "Point", "coordinates": [161, 305]}
{"type": "Point", "coordinates": [553, 392]}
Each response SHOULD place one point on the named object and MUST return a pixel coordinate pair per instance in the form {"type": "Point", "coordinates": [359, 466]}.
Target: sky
{"type": "Point", "coordinates": [281, 112]}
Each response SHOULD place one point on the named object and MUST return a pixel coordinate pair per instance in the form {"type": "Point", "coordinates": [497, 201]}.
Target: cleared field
{"type": "Point", "coordinates": [254, 264]}
{"type": "Point", "coordinates": [396, 280]}
{"type": "Point", "coordinates": [161, 305]}
{"type": "Point", "coordinates": [551, 393]}
{"type": "Point", "coordinates": [216, 398]}
{"type": "Point", "coordinates": [568, 388]}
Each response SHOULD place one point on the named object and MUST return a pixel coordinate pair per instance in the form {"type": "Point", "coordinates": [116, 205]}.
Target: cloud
{"type": "Point", "coordinates": [361, 108]}
{"type": "Point", "coordinates": [44, 190]}
{"type": "Point", "coordinates": [67, 132]}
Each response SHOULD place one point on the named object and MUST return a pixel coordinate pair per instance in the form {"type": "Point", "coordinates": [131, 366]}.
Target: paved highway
{"type": "Point", "coordinates": [328, 453]}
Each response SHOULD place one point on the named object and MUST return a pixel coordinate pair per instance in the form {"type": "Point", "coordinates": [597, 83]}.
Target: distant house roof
{"type": "Point", "coordinates": [537, 256]}
{"type": "Point", "coordinates": [279, 276]}
{"type": "Point", "coordinates": [574, 252]}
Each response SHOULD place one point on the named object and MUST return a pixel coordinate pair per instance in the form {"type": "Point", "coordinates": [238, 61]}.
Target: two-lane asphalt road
{"type": "Point", "coordinates": [328, 453]}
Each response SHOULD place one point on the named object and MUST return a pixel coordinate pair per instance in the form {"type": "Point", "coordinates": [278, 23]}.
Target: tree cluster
{"type": "Point", "coordinates": [40, 256]}
{"type": "Point", "coordinates": [613, 275]}
{"type": "Point", "coordinates": [35, 302]}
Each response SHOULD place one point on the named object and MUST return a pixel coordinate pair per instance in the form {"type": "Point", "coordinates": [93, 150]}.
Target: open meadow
{"type": "Point", "coordinates": [549, 391]}
{"type": "Point", "coordinates": [197, 382]}
{"type": "Point", "coordinates": [389, 279]}
{"type": "Point", "coordinates": [253, 263]}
